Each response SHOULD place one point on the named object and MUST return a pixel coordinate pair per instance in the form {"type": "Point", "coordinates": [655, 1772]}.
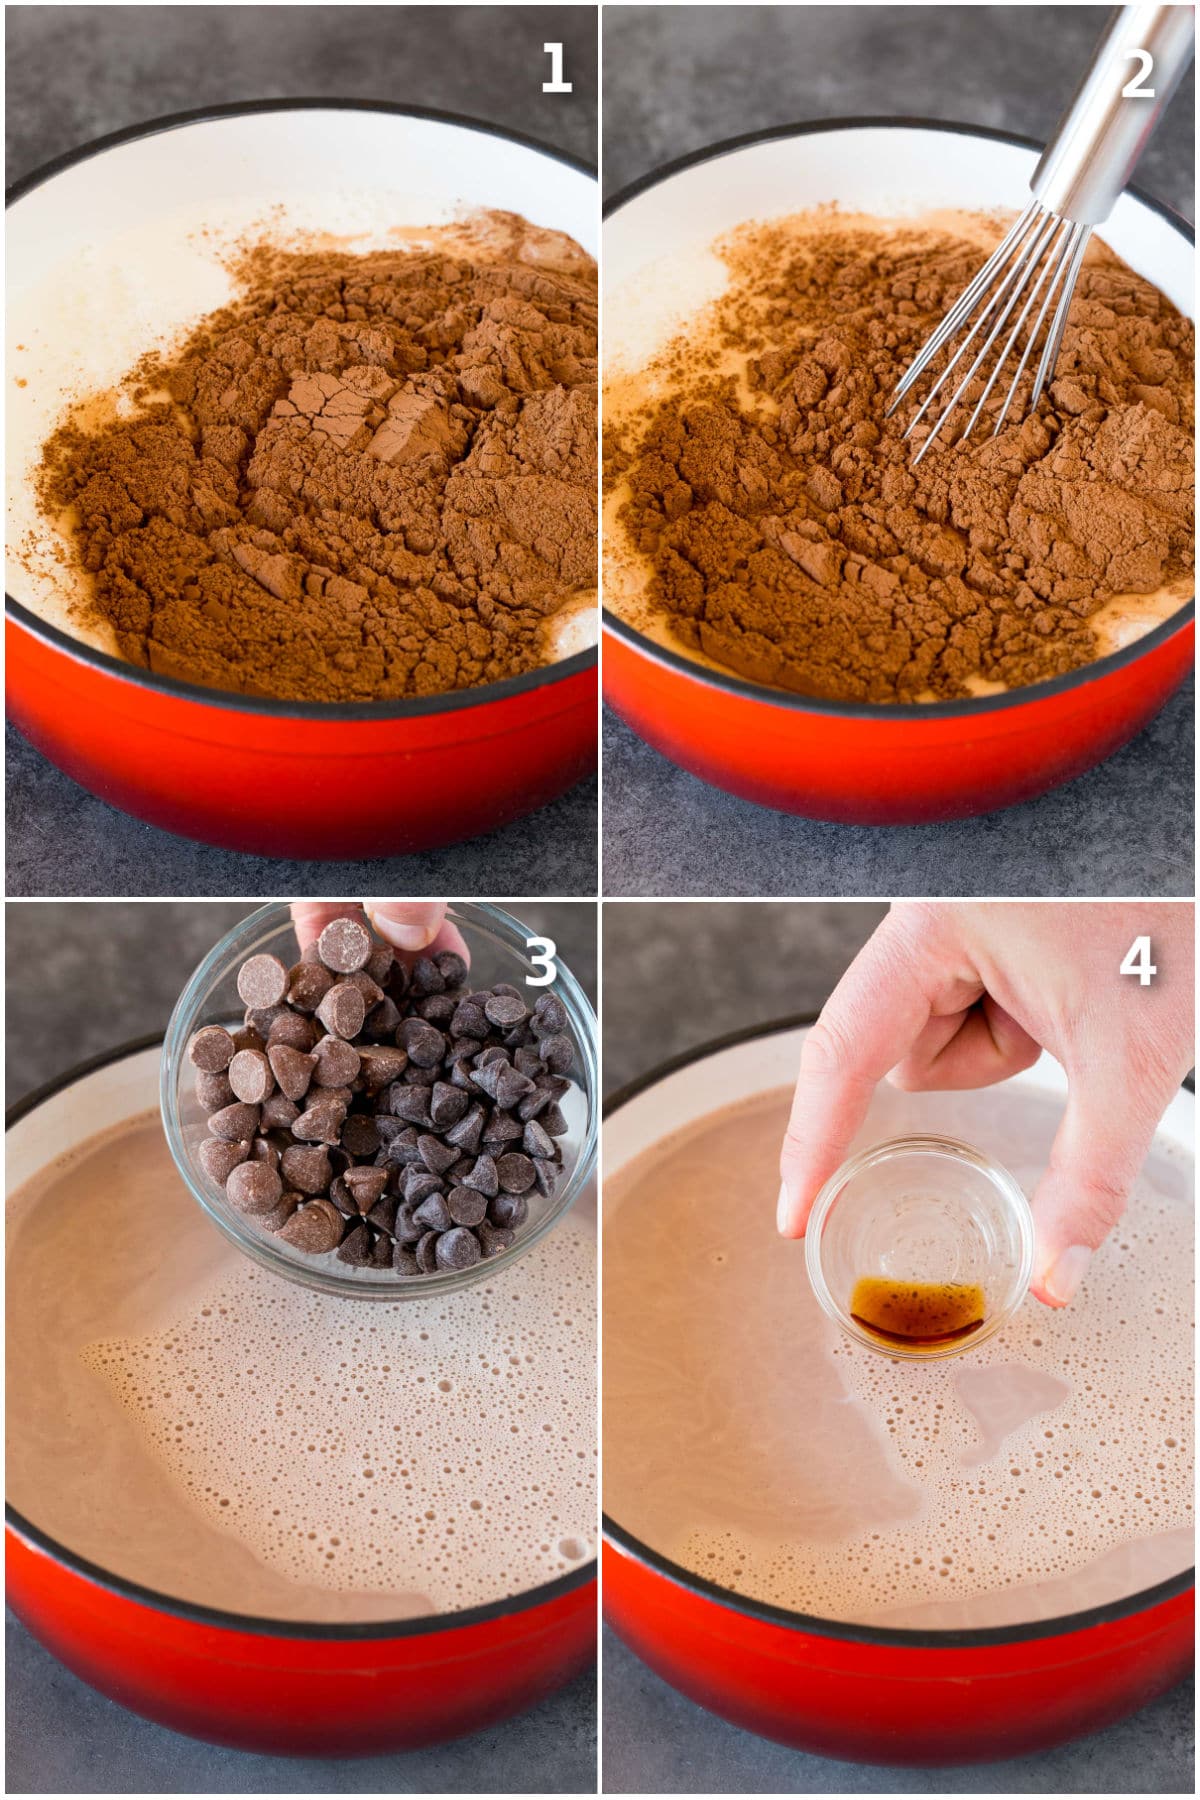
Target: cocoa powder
{"type": "Point", "coordinates": [787, 535]}
{"type": "Point", "coordinates": [370, 476]}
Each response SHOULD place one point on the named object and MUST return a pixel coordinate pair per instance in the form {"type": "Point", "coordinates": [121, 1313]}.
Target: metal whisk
{"type": "Point", "coordinates": [1031, 275]}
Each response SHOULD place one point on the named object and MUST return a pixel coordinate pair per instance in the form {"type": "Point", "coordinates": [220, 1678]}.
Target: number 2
{"type": "Point", "coordinates": [1137, 961]}
{"type": "Point", "coordinates": [1132, 90]}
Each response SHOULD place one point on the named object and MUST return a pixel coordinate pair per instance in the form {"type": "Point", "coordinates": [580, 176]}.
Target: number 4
{"type": "Point", "coordinates": [1137, 961]}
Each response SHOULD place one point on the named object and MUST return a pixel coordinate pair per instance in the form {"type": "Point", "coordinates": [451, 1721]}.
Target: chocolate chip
{"type": "Point", "coordinates": [218, 1158]}
{"type": "Point", "coordinates": [436, 1155]}
{"type": "Point", "coordinates": [343, 1010]}
{"type": "Point", "coordinates": [468, 1021]}
{"type": "Point", "coordinates": [254, 1187]}
{"type": "Point", "coordinates": [342, 1198]}
{"type": "Point", "coordinates": [279, 1214]}
{"type": "Point", "coordinates": [322, 1122]}
{"type": "Point", "coordinates": [468, 1131]}
{"type": "Point", "coordinates": [366, 1185]}
{"type": "Point", "coordinates": [356, 1247]}
{"type": "Point", "coordinates": [493, 1239]}
{"type": "Point", "coordinates": [427, 978]}
{"type": "Point", "coordinates": [262, 981]}
{"type": "Point", "coordinates": [550, 1014]}
{"type": "Point", "coordinates": [246, 1037]}
{"type": "Point", "coordinates": [250, 1076]}
{"type": "Point", "coordinates": [308, 984]}
{"type": "Point", "coordinates": [447, 1104]}
{"type": "Point", "coordinates": [534, 1103]}
{"type": "Point", "coordinates": [213, 1090]}
{"type": "Point", "coordinates": [436, 1009]}
{"type": "Point", "coordinates": [419, 1182]}
{"type": "Point", "coordinates": [508, 1210]}
{"type": "Point", "coordinates": [278, 1113]}
{"type": "Point", "coordinates": [379, 1066]}
{"type": "Point", "coordinates": [384, 1250]}
{"type": "Point", "coordinates": [294, 1030]}
{"type": "Point", "coordinates": [553, 1121]}
{"type": "Point", "coordinates": [420, 1077]}
{"type": "Point", "coordinates": [344, 946]}
{"type": "Point", "coordinates": [315, 1228]}
{"type": "Point", "coordinates": [452, 966]}
{"type": "Point", "coordinates": [425, 1044]}
{"type": "Point", "coordinates": [211, 1049]}
{"type": "Point", "coordinates": [406, 1228]}
{"type": "Point", "coordinates": [337, 1063]}
{"type": "Point", "coordinates": [307, 1168]}
{"type": "Point", "coordinates": [264, 1151]}
{"type": "Point", "coordinates": [360, 1135]}
{"type": "Point", "coordinates": [370, 990]}
{"type": "Point", "coordinates": [426, 1253]}
{"type": "Point", "coordinates": [458, 1249]}
{"type": "Point", "coordinates": [383, 1020]}
{"type": "Point", "coordinates": [383, 1213]}
{"type": "Point", "coordinates": [409, 1103]}
{"type": "Point", "coordinates": [379, 964]}
{"type": "Point", "coordinates": [234, 1122]}
{"type": "Point", "coordinates": [404, 1262]}
{"type": "Point", "coordinates": [466, 1205]}
{"type": "Point", "coordinates": [482, 1175]}
{"type": "Point", "coordinates": [516, 1173]}
{"type": "Point", "coordinates": [501, 1130]}
{"type": "Point", "coordinates": [433, 1213]}
{"type": "Point", "coordinates": [529, 1062]}
{"type": "Point", "coordinates": [505, 1011]}
{"type": "Point", "coordinates": [557, 1052]}
{"type": "Point", "coordinates": [292, 1069]}
{"type": "Point", "coordinates": [546, 1174]}
{"type": "Point", "coordinates": [536, 1140]}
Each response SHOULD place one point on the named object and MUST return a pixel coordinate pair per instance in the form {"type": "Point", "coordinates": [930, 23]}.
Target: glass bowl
{"type": "Point", "coordinates": [496, 944]}
{"type": "Point", "coordinates": [920, 1247]}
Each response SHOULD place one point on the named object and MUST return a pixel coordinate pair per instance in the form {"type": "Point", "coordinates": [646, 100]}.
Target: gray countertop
{"type": "Point", "coordinates": [677, 79]}
{"type": "Point", "coordinates": [63, 1738]}
{"type": "Point", "coordinates": [721, 967]}
{"type": "Point", "coordinates": [74, 73]}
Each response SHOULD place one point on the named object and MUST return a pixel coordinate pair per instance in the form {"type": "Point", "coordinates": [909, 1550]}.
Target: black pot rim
{"type": "Point", "coordinates": [249, 1624]}
{"type": "Point", "coordinates": [900, 712]}
{"type": "Point", "coordinates": [360, 712]}
{"type": "Point", "coordinates": [808, 1624]}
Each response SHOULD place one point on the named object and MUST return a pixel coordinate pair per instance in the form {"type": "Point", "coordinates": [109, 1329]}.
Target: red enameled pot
{"type": "Point", "coordinates": [846, 762]}
{"type": "Point", "coordinates": [866, 1693]}
{"type": "Point", "coordinates": [263, 776]}
{"type": "Point", "coordinates": [260, 1684]}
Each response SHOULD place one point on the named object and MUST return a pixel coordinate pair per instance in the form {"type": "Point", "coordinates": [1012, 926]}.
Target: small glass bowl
{"type": "Point", "coordinates": [496, 944]}
{"type": "Point", "coordinates": [922, 1210]}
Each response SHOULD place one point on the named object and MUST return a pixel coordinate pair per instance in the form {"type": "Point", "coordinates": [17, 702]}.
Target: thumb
{"type": "Point", "coordinates": [406, 924]}
{"type": "Point", "coordinates": [1097, 1152]}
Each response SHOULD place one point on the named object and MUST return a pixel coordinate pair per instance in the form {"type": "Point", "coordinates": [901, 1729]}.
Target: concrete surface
{"type": "Point", "coordinates": [679, 78]}
{"type": "Point", "coordinates": [62, 1737]}
{"type": "Point", "coordinates": [75, 72]}
{"type": "Point", "coordinates": [719, 967]}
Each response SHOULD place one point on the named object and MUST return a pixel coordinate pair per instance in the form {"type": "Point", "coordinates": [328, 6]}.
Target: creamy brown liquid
{"type": "Point", "coordinates": [746, 1437]}
{"type": "Point", "coordinates": [195, 1424]}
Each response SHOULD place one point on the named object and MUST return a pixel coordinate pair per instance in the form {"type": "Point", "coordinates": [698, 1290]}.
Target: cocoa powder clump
{"type": "Point", "coordinates": [786, 533]}
{"type": "Point", "coordinates": [370, 476]}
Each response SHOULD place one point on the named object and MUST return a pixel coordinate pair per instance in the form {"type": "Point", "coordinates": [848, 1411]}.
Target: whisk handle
{"type": "Point", "coordinates": [1092, 155]}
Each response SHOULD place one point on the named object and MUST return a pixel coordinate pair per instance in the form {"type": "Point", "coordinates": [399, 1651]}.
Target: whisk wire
{"type": "Point", "coordinates": [1052, 266]}
{"type": "Point", "coordinates": [1082, 233]}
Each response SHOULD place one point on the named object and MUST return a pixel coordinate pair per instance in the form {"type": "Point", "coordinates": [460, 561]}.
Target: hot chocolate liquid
{"type": "Point", "coordinates": [747, 1438]}
{"type": "Point", "coordinates": [194, 1424]}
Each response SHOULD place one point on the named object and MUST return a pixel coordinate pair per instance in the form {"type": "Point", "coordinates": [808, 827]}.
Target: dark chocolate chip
{"type": "Point", "coordinates": [505, 1010]}
{"type": "Point", "coordinates": [426, 1253]}
{"type": "Point", "coordinates": [447, 1104]}
{"type": "Point", "coordinates": [554, 1122]}
{"type": "Point", "coordinates": [458, 1249]}
{"type": "Point", "coordinates": [383, 1021]}
{"type": "Point", "coordinates": [482, 1175]}
{"type": "Point", "coordinates": [453, 967]}
{"type": "Point", "coordinates": [508, 1210]}
{"type": "Point", "coordinates": [546, 1174]}
{"type": "Point", "coordinates": [356, 1247]}
{"type": "Point", "coordinates": [360, 1135]}
{"type": "Point", "coordinates": [384, 1250]}
{"type": "Point", "coordinates": [410, 1103]}
{"type": "Point", "coordinates": [550, 1013]}
{"type": "Point", "coordinates": [501, 1130]}
{"type": "Point", "coordinates": [379, 964]}
{"type": "Point", "coordinates": [468, 1021]}
{"type": "Point", "coordinates": [466, 1134]}
{"type": "Point", "coordinates": [516, 1172]}
{"type": "Point", "coordinates": [433, 1213]}
{"type": "Point", "coordinates": [406, 1228]}
{"type": "Point", "coordinates": [436, 1009]}
{"type": "Point", "coordinates": [212, 1049]}
{"type": "Point", "coordinates": [427, 978]}
{"type": "Point", "coordinates": [419, 1182]}
{"type": "Point", "coordinates": [536, 1140]}
{"type": "Point", "coordinates": [425, 1044]}
{"type": "Point", "coordinates": [494, 1238]}
{"type": "Point", "coordinates": [557, 1052]}
{"type": "Point", "coordinates": [466, 1205]}
{"type": "Point", "coordinates": [436, 1155]}
{"type": "Point", "coordinates": [383, 1213]}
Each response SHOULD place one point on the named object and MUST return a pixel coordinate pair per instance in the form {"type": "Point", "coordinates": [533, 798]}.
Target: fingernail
{"type": "Point", "coordinates": [1066, 1273]}
{"type": "Point", "coordinates": [401, 933]}
{"type": "Point", "coordinates": [783, 1210]}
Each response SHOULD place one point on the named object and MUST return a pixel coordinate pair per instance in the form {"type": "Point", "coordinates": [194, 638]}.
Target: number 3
{"type": "Point", "coordinates": [544, 952]}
